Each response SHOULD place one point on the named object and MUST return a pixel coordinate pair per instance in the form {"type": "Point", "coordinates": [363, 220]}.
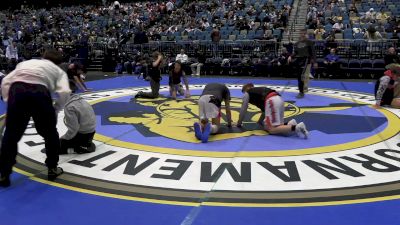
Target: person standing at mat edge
{"type": "Point", "coordinates": [272, 107]}
{"type": "Point", "coordinates": [27, 91]}
{"type": "Point", "coordinates": [302, 59]}
{"type": "Point", "coordinates": [210, 109]}
{"type": "Point", "coordinates": [155, 77]}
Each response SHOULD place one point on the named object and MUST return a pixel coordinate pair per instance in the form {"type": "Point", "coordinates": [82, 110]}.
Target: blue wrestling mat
{"type": "Point", "coordinates": [149, 169]}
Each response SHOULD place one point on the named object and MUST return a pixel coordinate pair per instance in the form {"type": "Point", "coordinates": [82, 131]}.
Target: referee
{"type": "Point", "coordinates": [28, 92]}
{"type": "Point", "coordinates": [303, 58]}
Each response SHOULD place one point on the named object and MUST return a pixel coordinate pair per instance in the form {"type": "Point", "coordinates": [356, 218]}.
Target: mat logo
{"type": "Point", "coordinates": [146, 152]}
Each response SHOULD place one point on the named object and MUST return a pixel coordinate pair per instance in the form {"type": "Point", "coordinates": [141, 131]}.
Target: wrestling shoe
{"type": "Point", "coordinates": [206, 133]}
{"type": "Point", "coordinates": [139, 94]}
{"type": "Point", "coordinates": [197, 130]}
{"type": "Point", "coordinates": [292, 122]}
{"type": "Point", "coordinates": [301, 130]}
{"type": "Point", "coordinates": [300, 95]}
{"type": "Point", "coordinates": [53, 173]}
{"type": "Point", "coordinates": [5, 181]}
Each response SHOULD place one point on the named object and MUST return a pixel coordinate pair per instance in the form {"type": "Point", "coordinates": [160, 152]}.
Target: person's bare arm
{"type": "Point", "coordinates": [158, 61]}
{"type": "Point", "coordinates": [228, 112]}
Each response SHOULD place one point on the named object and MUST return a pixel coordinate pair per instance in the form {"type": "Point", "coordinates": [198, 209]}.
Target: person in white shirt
{"type": "Point", "coordinates": [338, 26]}
{"type": "Point", "coordinates": [12, 55]}
{"type": "Point", "coordinates": [182, 57]}
{"type": "Point", "coordinates": [370, 15]}
{"type": "Point", "coordinates": [116, 5]}
{"type": "Point", "coordinates": [170, 7]}
{"type": "Point", "coordinates": [28, 91]}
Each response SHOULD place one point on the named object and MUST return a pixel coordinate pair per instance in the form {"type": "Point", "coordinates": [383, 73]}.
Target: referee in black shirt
{"type": "Point", "coordinates": [303, 57]}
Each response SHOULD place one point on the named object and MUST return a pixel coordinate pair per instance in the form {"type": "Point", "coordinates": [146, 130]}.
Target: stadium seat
{"type": "Point", "coordinates": [354, 68]}
{"type": "Point", "coordinates": [378, 66]}
{"type": "Point", "coordinates": [366, 65]}
{"type": "Point", "coordinates": [232, 37]}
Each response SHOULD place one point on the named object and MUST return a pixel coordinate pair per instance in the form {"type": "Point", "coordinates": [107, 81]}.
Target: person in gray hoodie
{"type": "Point", "coordinates": [81, 123]}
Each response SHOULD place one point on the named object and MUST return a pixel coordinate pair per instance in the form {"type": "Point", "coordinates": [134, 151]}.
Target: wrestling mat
{"type": "Point", "coordinates": [149, 169]}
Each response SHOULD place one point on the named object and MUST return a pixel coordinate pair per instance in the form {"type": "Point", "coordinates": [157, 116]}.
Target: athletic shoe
{"type": "Point", "coordinates": [85, 149]}
{"type": "Point", "coordinates": [292, 122]}
{"type": "Point", "coordinates": [206, 133]}
{"type": "Point", "coordinates": [301, 130]}
{"type": "Point", "coordinates": [300, 95]}
{"type": "Point", "coordinates": [139, 94]}
{"type": "Point", "coordinates": [53, 173]}
{"type": "Point", "coordinates": [197, 130]}
{"type": "Point", "coordinates": [5, 181]}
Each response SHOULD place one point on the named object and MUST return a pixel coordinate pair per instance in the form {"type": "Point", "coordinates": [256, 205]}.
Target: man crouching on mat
{"type": "Point", "coordinates": [210, 108]}
{"type": "Point", "coordinates": [272, 107]}
{"type": "Point", "coordinates": [81, 123]}
{"type": "Point", "coordinates": [385, 87]}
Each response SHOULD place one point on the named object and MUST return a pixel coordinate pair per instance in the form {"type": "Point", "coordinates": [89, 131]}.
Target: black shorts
{"type": "Point", "coordinates": [386, 101]}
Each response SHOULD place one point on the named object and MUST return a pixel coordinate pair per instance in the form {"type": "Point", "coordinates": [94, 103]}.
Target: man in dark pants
{"type": "Point", "coordinates": [302, 58]}
{"type": "Point", "coordinates": [155, 78]}
{"type": "Point", "coordinates": [27, 91]}
{"type": "Point", "coordinates": [80, 120]}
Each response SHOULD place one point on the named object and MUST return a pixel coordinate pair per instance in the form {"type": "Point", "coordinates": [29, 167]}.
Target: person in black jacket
{"type": "Point", "coordinates": [272, 107]}
{"type": "Point", "coordinates": [155, 77]}
{"type": "Point", "coordinates": [303, 58]}
{"type": "Point", "coordinates": [391, 56]}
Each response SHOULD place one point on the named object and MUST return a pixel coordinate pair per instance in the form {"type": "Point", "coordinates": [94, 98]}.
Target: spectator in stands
{"type": "Point", "coordinates": [338, 26]}
{"type": "Point", "coordinates": [182, 57]}
{"type": "Point", "coordinates": [382, 16]}
{"type": "Point", "coordinates": [12, 55]}
{"type": "Point", "coordinates": [331, 62]}
{"type": "Point", "coordinates": [215, 38]}
{"type": "Point", "coordinates": [391, 56]}
{"type": "Point", "coordinates": [353, 10]}
{"type": "Point", "coordinates": [184, 60]}
{"type": "Point", "coordinates": [370, 15]}
{"type": "Point", "coordinates": [372, 35]}
{"type": "Point", "coordinates": [170, 6]}
{"type": "Point", "coordinates": [281, 63]}
{"type": "Point", "coordinates": [329, 44]}
{"type": "Point", "coordinates": [141, 37]}
{"type": "Point", "coordinates": [311, 15]}
{"type": "Point", "coordinates": [319, 33]}
{"type": "Point", "coordinates": [201, 60]}
{"type": "Point", "coordinates": [313, 24]}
